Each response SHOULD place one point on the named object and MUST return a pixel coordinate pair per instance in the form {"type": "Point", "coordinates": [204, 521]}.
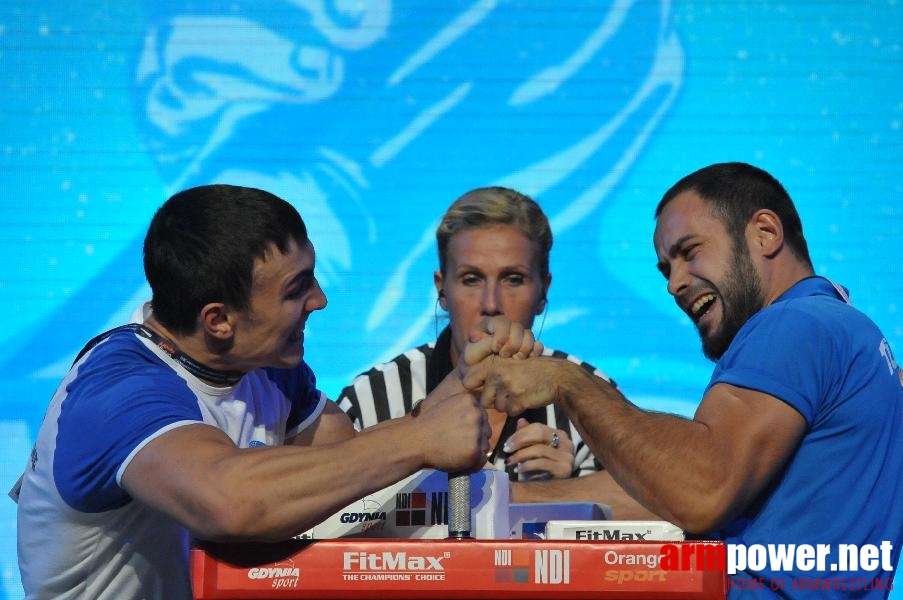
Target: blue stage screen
{"type": "Point", "coordinates": [371, 117]}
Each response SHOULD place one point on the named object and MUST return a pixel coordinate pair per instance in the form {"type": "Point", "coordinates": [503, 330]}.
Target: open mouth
{"type": "Point", "coordinates": [702, 306]}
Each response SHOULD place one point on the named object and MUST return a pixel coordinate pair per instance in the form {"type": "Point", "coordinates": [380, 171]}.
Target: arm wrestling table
{"type": "Point", "coordinates": [394, 568]}
{"type": "Point", "coordinates": [455, 567]}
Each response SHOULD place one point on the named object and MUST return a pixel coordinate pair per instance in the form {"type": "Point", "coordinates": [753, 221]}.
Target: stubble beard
{"type": "Point", "coordinates": [741, 297]}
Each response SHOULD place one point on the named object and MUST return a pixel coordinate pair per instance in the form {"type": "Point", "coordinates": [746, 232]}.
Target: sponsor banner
{"type": "Point", "coordinates": [417, 508]}
{"type": "Point", "coordinates": [613, 531]}
{"type": "Point", "coordinates": [528, 520]}
{"type": "Point", "coordinates": [393, 568]}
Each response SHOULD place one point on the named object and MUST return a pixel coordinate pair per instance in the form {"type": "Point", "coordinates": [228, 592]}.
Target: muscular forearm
{"type": "Point", "coordinates": [221, 492]}
{"type": "Point", "coordinates": [668, 463]}
{"type": "Point", "coordinates": [696, 473]}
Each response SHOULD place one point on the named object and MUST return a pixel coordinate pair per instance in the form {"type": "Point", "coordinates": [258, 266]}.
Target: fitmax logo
{"type": "Point", "coordinates": [390, 561]}
{"type": "Point", "coordinates": [610, 534]}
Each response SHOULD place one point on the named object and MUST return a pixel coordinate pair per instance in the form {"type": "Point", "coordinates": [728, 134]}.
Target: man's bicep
{"type": "Point", "coordinates": [176, 473]}
{"type": "Point", "coordinates": [333, 425]}
{"type": "Point", "coordinates": [754, 433]}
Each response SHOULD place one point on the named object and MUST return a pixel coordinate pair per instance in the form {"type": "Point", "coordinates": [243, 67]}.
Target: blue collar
{"type": "Point", "coordinates": [815, 286]}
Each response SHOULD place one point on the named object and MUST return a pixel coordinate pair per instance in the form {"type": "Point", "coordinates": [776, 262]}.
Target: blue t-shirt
{"type": "Point", "coordinates": [80, 534]}
{"type": "Point", "coordinates": [844, 484]}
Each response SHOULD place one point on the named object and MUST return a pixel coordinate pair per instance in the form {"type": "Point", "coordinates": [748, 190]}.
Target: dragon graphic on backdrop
{"type": "Point", "coordinates": [371, 117]}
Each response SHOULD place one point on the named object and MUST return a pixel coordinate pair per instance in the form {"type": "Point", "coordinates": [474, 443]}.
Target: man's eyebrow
{"type": "Point", "coordinates": [663, 267]}
{"type": "Point", "coordinates": [300, 276]}
{"type": "Point", "coordinates": [674, 249]}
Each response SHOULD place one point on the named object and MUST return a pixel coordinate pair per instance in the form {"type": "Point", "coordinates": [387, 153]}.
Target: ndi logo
{"type": "Point", "coordinates": [412, 509]}
{"type": "Point", "coordinates": [552, 567]}
{"type": "Point", "coordinates": [547, 567]}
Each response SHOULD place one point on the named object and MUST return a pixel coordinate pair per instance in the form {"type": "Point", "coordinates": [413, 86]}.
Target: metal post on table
{"type": "Point", "coordinates": [459, 506]}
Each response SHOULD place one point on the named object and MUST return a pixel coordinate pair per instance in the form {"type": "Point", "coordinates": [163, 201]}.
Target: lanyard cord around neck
{"type": "Point", "coordinates": [192, 366]}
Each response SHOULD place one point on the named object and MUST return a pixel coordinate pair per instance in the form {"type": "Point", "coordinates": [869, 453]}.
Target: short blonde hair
{"type": "Point", "coordinates": [496, 205]}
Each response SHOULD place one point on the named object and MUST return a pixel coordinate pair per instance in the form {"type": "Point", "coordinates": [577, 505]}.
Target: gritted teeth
{"type": "Point", "coordinates": [702, 304]}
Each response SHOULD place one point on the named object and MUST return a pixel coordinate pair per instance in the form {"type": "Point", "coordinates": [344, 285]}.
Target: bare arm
{"type": "Point", "coordinates": [332, 426]}
{"type": "Point", "coordinates": [196, 474]}
{"type": "Point", "coordinates": [697, 473]}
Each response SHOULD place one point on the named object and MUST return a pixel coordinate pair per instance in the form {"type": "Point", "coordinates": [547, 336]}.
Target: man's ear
{"type": "Point", "coordinates": [766, 233]}
{"type": "Point", "coordinates": [217, 320]}
{"type": "Point", "coordinates": [439, 282]}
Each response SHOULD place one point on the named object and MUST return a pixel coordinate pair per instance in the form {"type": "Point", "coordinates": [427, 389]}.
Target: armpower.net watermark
{"type": "Point", "coordinates": [828, 563]}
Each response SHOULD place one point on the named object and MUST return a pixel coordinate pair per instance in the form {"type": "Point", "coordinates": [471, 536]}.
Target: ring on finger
{"type": "Point", "coordinates": [556, 441]}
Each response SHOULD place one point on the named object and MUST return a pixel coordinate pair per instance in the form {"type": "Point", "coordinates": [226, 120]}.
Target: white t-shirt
{"type": "Point", "coordinates": [80, 535]}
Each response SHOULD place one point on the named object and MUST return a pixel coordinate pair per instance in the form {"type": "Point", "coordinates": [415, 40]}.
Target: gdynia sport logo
{"type": "Point", "coordinates": [826, 564]}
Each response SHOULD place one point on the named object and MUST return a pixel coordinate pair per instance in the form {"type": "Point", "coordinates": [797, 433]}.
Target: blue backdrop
{"type": "Point", "coordinates": [372, 117]}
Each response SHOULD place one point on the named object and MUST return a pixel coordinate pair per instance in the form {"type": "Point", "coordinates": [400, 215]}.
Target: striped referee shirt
{"type": "Point", "coordinates": [389, 390]}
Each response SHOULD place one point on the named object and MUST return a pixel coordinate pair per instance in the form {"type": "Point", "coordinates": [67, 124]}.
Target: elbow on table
{"type": "Point", "coordinates": [235, 519]}
{"type": "Point", "coordinates": [705, 512]}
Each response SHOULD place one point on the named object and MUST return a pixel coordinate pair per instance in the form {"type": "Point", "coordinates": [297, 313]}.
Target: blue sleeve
{"type": "Point", "coordinates": [785, 352]}
{"type": "Point", "coordinates": [103, 419]}
{"type": "Point", "coordinates": [299, 384]}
